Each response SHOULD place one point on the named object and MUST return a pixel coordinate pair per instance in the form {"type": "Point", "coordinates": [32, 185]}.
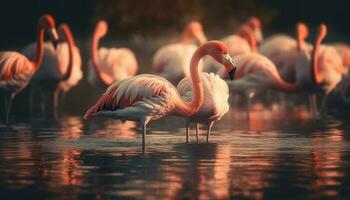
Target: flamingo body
{"type": "Point", "coordinates": [15, 72]}
{"type": "Point", "coordinates": [216, 94]}
{"type": "Point", "coordinates": [237, 45]}
{"type": "Point", "coordinates": [172, 61]}
{"type": "Point", "coordinates": [115, 64]}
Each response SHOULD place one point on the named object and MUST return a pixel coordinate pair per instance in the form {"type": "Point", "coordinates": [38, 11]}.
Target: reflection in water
{"type": "Point", "coordinates": [265, 157]}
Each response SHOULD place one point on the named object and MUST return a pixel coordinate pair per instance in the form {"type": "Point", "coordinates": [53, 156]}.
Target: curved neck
{"type": "Point", "coordinates": [40, 47]}
{"type": "Point", "coordinates": [187, 109]}
{"type": "Point", "coordinates": [316, 78]}
{"type": "Point", "coordinates": [71, 44]}
{"type": "Point", "coordinates": [247, 34]}
{"type": "Point", "coordinates": [94, 56]}
{"type": "Point", "coordinates": [185, 38]}
{"type": "Point", "coordinates": [302, 33]}
{"type": "Point", "coordinates": [285, 86]}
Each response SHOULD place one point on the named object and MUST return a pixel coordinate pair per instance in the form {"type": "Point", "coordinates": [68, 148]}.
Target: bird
{"type": "Point", "coordinates": [256, 74]}
{"type": "Point", "coordinates": [215, 104]}
{"type": "Point", "coordinates": [108, 65]}
{"type": "Point", "coordinates": [148, 97]}
{"type": "Point", "coordinates": [16, 70]}
{"type": "Point", "coordinates": [282, 50]}
{"type": "Point", "coordinates": [344, 50]}
{"type": "Point", "coordinates": [242, 42]}
{"type": "Point", "coordinates": [324, 67]}
{"type": "Point", "coordinates": [172, 60]}
{"type": "Point", "coordinates": [60, 69]}
{"type": "Point", "coordinates": [255, 24]}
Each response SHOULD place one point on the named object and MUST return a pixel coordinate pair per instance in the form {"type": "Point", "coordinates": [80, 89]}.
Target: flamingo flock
{"type": "Point", "coordinates": [192, 79]}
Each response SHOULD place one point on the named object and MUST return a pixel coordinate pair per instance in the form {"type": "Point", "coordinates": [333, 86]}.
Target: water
{"type": "Point", "coordinates": [270, 156]}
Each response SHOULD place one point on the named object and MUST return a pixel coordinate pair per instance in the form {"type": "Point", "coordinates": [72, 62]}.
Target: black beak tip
{"type": "Point", "coordinates": [232, 73]}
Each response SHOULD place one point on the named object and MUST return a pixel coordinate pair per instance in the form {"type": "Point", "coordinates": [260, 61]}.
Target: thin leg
{"type": "Point", "coordinates": [8, 109]}
{"type": "Point", "coordinates": [313, 105]}
{"type": "Point", "coordinates": [250, 96]}
{"type": "Point", "coordinates": [197, 132]}
{"type": "Point", "coordinates": [209, 129]}
{"type": "Point", "coordinates": [187, 131]}
{"type": "Point", "coordinates": [144, 129]}
{"type": "Point", "coordinates": [324, 109]}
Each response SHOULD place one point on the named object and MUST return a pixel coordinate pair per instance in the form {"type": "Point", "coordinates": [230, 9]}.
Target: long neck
{"type": "Point", "coordinates": [285, 86]}
{"type": "Point", "coordinates": [316, 78]}
{"type": "Point", "coordinates": [40, 49]}
{"type": "Point", "coordinates": [248, 35]}
{"type": "Point", "coordinates": [187, 109]}
{"type": "Point", "coordinates": [71, 44]}
{"type": "Point", "coordinates": [95, 58]}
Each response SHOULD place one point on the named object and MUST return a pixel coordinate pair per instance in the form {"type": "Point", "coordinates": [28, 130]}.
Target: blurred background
{"type": "Point", "coordinates": [144, 26]}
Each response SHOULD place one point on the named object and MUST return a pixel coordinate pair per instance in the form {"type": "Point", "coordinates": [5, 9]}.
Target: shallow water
{"type": "Point", "coordinates": [270, 156]}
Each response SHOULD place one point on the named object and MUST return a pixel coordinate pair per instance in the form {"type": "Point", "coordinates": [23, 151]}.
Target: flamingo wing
{"type": "Point", "coordinates": [15, 71]}
{"type": "Point", "coordinates": [134, 91]}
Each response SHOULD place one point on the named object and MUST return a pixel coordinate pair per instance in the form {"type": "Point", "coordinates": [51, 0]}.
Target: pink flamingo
{"type": "Point", "coordinates": [171, 61]}
{"type": "Point", "coordinates": [282, 50]}
{"type": "Point", "coordinates": [108, 65]}
{"type": "Point", "coordinates": [255, 24]}
{"type": "Point", "coordinates": [16, 70]}
{"type": "Point", "coordinates": [215, 104]}
{"type": "Point", "coordinates": [242, 42]}
{"type": "Point", "coordinates": [344, 50]}
{"type": "Point", "coordinates": [256, 73]}
{"type": "Point", "coordinates": [61, 66]}
{"type": "Point", "coordinates": [148, 97]}
{"type": "Point", "coordinates": [326, 64]}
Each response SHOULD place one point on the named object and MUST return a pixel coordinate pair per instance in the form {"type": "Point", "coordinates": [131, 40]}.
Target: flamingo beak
{"type": "Point", "coordinates": [55, 44]}
{"type": "Point", "coordinates": [55, 37]}
{"type": "Point", "coordinates": [230, 65]}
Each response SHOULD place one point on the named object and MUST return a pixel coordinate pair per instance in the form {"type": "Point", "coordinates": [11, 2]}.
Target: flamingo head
{"type": "Point", "coordinates": [255, 24]}
{"type": "Point", "coordinates": [48, 22]}
{"type": "Point", "coordinates": [101, 28]}
{"type": "Point", "coordinates": [302, 33]}
{"type": "Point", "coordinates": [195, 29]}
{"type": "Point", "coordinates": [219, 52]}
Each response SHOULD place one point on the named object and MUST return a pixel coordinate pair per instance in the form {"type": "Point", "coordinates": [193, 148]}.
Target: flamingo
{"type": "Point", "coordinates": [282, 50]}
{"type": "Point", "coordinates": [256, 73]}
{"type": "Point", "coordinates": [61, 66]}
{"type": "Point", "coordinates": [326, 65]}
{"type": "Point", "coordinates": [242, 42]}
{"type": "Point", "coordinates": [108, 65]}
{"type": "Point", "coordinates": [215, 104]}
{"type": "Point", "coordinates": [344, 50]}
{"type": "Point", "coordinates": [171, 61]}
{"type": "Point", "coordinates": [147, 97]}
{"type": "Point", "coordinates": [16, 70]}
{"type": "Point", "coordinates": [255, 24]}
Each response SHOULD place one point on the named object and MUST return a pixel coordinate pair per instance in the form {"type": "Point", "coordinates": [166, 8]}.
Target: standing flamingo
{"type": "Point", "coordinates": [255, 24]}
{"type": "Point", "coordinates": [171, 61]}
{"type": "Point", "coordinates": [344, 50]}
{"type": "Point", "coordinates": [326, 64]}
{"type": "Point", "coordinates": [240, 43]}
{"type": "Point", "coordinates": [16, 70]}
{"type": "Point", "coordinates": [255, 74]}
{"type": "Point", "coordinates": [60, 69]}
{"type": "Point", "coordinates": [282, 50]}
{"type": "Point", "coordinates": [215, 104]}
{"type": "Point", "coordinates": [148, 97]}
{"type": "Point", "coordinates": [109, 65]}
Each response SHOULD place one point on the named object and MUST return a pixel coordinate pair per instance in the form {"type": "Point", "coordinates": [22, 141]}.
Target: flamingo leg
{"type": "Point", "coordinates": [250, 96]}
{"type": "Point", "coordinates": [324, 109]}
{"type": "Point", "coordinates": [144, 130]}
{"type": "Point", "coordinates": [187, 131]}
{"type": "Point", "coordinates": [313, 105]}
{"type": "Point", "coordinates": [8, 109]}
{"type": "Point", "coordinates": [197, 132]}
{"type": "Point", "coordinates": [210, 125]}
{"type": "Point", "coordinates": [56, 102]}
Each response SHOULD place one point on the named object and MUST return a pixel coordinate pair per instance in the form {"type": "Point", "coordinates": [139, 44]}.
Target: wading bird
{"type": "Point", "coordinates": [171, 61]}
{"type": "Point", "coordinates": [109, 65]}
{"type": "Point", "coordinates": [16, 70]}
{"type": "Point", "coordinates": [60, 69]}
{"type": "Point", "coordinates": [148, 97]}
